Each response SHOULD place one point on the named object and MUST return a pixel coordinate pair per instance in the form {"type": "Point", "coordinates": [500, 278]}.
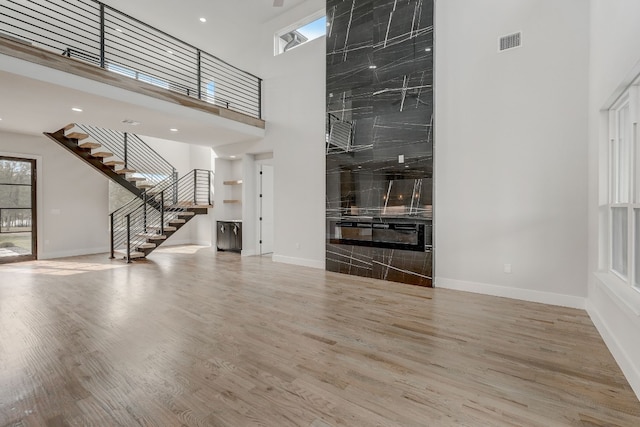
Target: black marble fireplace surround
{"type": "Point", "coordinates": [380, 138]}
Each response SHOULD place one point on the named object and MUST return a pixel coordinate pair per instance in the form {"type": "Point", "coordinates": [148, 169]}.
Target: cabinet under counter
{"type": "Point", "coordinates": [229, 235]}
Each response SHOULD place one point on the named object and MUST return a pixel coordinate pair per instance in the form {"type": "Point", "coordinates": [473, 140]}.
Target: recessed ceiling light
{"type": "Point", "coordinates": [428, 49]}
{"type": "Point", "coordinates": [169, 52]}
{"type": "Point", "coordinates": [118, 30]}
{"type": "Point", "coordinates": [372, 67]}
{"type": "Point", "coordinates": [173, 130]}
{"type": "Point", "coordinates": [232, 157]}
{"type": "Point", "coordinates": [77, 110]}
{"type": "Point", "coordinates": [203, 20]}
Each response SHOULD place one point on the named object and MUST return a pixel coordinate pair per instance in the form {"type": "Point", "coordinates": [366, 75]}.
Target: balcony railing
{"type": "Point", "coordinates": [96, 33]}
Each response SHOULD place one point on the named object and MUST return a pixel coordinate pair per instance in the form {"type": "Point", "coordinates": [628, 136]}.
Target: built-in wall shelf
{"type": "Point", "coordinates": [231, 201]}
{"type": "Point", "coordinates": [235, 182]}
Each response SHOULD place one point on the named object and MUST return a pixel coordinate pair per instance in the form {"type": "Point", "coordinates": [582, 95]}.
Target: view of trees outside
{"type": "Point", "coordinates": [118, 196]}
{"type": "Point", "coordinates": [15, 206]}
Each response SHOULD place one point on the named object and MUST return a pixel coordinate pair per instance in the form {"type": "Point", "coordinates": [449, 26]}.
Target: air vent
{"type": "Point", "coordinates": [510, 41]}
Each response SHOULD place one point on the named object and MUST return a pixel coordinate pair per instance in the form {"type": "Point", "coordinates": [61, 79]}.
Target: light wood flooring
{"type": "Point", "coordinates": [192, 337]}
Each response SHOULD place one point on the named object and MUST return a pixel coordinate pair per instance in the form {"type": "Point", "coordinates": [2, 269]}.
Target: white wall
{"type": "Point", "coordinates": [511, 152]}
{"type": "Point", "coordinates": [294, 97]}
{"type": "Point", "coordinates": [201, 226]}
{"type": "Point", "coordinates": [73, 199]}
{"type": "Point", "coordinates": [614, 53]}
{"type": "Point", "coordinates": [176, 153]}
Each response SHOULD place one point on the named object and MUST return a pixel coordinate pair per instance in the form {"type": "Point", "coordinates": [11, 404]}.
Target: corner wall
{"type": "Point", "coordinates": [511, 154]}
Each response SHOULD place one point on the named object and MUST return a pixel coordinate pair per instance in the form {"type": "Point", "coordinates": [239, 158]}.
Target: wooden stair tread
{"type": "Point", "coordinates": [136, 178]}
{"type": "Point", "coordinates": [186, 213]}
{"type": "Point", "coordinates": [177, 221]}
{"type": "Point", "coordinates": [77, 135]}
{"type": "Point", "coordinates": [166, 227]}
{"type": "Point", "coordinates": [69, 126]}
{"type": "Point", "coordinates": [147, 246]}
{"type": "Point", "coordinates": [144, 185]}
{"type": "Point", "coordinates": [133, 255]}
{"type": "Point", "coordinates": [152, 236]}
{"type": "Point", "coordinates": [89, 145]}
{"type": "Point", "coordinates": [124, 171]}
{"type": "Point", "coordinates": [102, 154]}
{"type": "Point", "coordinates": [188, 206]}
{"type": "Point", "coordinates": [114, 163]}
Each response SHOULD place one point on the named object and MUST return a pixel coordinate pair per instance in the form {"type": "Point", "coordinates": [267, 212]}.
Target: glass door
{"type": "Point", "coordinates": [17, 209]}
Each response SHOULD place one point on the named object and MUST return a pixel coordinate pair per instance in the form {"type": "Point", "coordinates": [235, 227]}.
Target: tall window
{"type": "Point", "coordinates": [624, 189]}
{"type": "Point", "coordinates": [17, 209]}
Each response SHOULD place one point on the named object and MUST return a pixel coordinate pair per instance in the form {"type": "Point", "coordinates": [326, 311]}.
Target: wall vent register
{"type": "Point", "coordinates": [510, 41]}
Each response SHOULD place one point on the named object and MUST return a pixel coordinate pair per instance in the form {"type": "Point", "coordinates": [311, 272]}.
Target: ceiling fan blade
{"type": "Point", "coordinates": [278, 3]}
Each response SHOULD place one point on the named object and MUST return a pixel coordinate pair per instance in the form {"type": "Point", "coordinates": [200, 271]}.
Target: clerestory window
{"type": "Point", "coordinates": [301, 33]}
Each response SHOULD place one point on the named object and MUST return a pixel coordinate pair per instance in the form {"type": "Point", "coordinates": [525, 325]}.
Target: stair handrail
{"type": "Point", "coordinates": [133, 151]}
{"type": "Point", "coordinates": [136, 201]}
{"type": "Point", "coordinates": [133, 223]}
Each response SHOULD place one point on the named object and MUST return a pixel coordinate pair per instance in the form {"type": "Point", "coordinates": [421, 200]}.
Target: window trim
{"type": "Point", "coordinates": [629, 100]}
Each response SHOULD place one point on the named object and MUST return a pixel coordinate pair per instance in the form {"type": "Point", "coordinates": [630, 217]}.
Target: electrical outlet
{"type": "Point", "coordinates": [507, 268]}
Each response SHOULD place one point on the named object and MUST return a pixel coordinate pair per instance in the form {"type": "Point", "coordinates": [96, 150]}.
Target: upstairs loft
{"type": "Point", "coordinates": [118, 59]}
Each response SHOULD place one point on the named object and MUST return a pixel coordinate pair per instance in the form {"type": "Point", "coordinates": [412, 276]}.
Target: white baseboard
{"type": "Point", "coordinates": [299, 261]}
{"type": "Point", "coordinates": [75, 252]}
{"type": "Point", "coordinates": [508, 292]}
{"type": "Point", "coordinates": [626, 363]}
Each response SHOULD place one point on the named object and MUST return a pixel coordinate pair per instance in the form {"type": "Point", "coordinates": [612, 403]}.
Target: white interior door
{"type": "Point", "coordinates": [265, 208]}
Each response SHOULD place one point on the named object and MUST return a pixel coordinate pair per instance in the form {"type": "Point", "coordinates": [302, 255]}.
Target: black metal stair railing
{"type": "Point", "coordinates": [139, 222]}
{"type": "Point", "coordinates": [96, 33]}
{"type": "Point", "coordinates": [136, 154]}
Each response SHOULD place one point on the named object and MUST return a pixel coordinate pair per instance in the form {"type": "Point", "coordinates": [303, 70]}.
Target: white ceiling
{"type": "Point", "coordinates": [227, 20]}
{"type": "Point", "coordinates": [32, 105]}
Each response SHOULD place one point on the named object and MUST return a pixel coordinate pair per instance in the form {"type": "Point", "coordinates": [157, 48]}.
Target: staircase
{"type": "Point", "coordinates": [142, 225]}
{"type": "Point", "coordinates": [123, 157]}
{"type": "Point", "coordinates": [162, 204]}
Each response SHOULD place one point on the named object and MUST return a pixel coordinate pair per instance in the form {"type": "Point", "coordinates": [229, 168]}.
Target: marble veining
{"type": "Point", "coordinates": [379, 130]}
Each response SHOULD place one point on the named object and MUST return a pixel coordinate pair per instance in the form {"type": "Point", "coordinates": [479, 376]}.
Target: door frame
{"type": "Point", "coordinates": [259, 192]}
{"type": "Point", "coordinates": [35, 201]}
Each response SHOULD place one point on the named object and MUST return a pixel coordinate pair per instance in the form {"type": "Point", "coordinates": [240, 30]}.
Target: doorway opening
{"type": "Point", "coordinates": [18, 231]}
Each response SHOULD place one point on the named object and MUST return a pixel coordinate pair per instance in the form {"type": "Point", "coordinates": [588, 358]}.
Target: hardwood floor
{"type": "Point", "coordinates": [191, 337]}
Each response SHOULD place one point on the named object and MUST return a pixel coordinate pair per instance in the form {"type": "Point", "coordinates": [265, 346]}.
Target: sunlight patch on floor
{"type": "Point", "coordinates": [190, 249]}
{"type": "Point", "coordinates": [57, 268]}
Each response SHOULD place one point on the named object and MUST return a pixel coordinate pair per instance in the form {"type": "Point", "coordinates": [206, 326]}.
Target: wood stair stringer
{"type": "Point", "coordinates": [73, 146]}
